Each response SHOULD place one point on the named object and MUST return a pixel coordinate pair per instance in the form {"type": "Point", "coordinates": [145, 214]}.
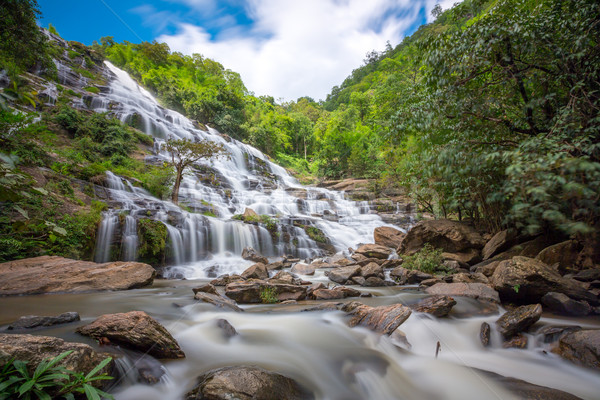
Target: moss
{"type": "Point", "coordinates": [92, 89]}
{"type": "Point", "coordinates": [152, 240]}
{"type": "Point", "coordinates": [316, 234]}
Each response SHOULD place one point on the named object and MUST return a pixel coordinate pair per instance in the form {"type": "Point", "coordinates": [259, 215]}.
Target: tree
{"type": "Point", "coordinates": [185, 152]}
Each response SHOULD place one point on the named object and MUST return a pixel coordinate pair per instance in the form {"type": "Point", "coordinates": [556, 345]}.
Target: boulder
{"type": "Point", "coordinates": [343, 274]}
{"type": "Point", "coordinates": [250, 292]}
{"type": "Point", "coordinates": [246, 383]}
{"type": "Point", "coordinates": [518, 341]}
{"type": "Point", "coordinates": [527, 280]}
{"type": "Point", "coordinates": [34, 321]}
{"type": "Point", "coordinates": [430, 282]}
{"type": "Point", "coordinates": [518, 320]}
{"type": "Point", "coordinates": [252, 255]}
{"type": "Point", "coordinates": [400, 275]}
{"type": "Point", "coordinates": [217, 300]}
{"type": "Point", "coordinates": [438, 306]}
{"type": "Point", "coordinates": [225, 280]}
{"type": "Point", "coordinates": [206, 288]}
{"type": "Point", "coordinates": [52, 274]}
{"type": "Point", "coordinates": [486, 268]}
{"type": "Point", "coordinates": [135, 330]}
{"type": "Point", "coordinates": [450, 236]}
{"type": "Point", "coordinates": [256, 271]}
{"type": "Point", "coordinates": [563, 254]}
{"type": "Point", "coordinates": [582, 347]}
{"type": "Point", "coordinates": [553, 333]}
{"type": "Point", "coordinates": [588, 275]}
{"type": "Point", "coordinates": [528, 391]}
{"type": "Point", "coordinates": [388, 236]}
{"type": "Point", "coordinates": [339, 292]}
{"type": "Point", "coordinates": [373, 281]}
{"type": "Point", "coordinates": [477, 291]}
{"type": "Point", "coordinates": [275, 266]}
{"type": "Point", "coordinates": [327, 306]}
{"type": "Point", "coordinates": [499, 242]}
{"type": "Point", "coordinates": [304, 269]}
{"type": "Point", "coordinates": [382, 319]}
{"type": "Point", "coordinates": [393, 263]}
{"type": "Point", "coordinates": [562, 304]}
{"type": "Point", "coordinates": [374, 251]}
{"type": "Point", "coordinates": [476, 277]}
{"type": "Point", "coordinates": [466, 257]}
{"type": "Point", "coordinates": [249, 213]}
{"type": "Point", "coordinates": [228, 329]}
{"type": "Point", "coordinates": [415, 276]}
{"type": "Point", "coordinates": [286, 277]}
{"type": "Point", "coordinates": [485, 334]}
{"type": "Point", "coordinates": [372, 269]}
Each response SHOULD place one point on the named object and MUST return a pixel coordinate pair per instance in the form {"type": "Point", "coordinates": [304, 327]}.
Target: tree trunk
{"type": "Point", "coordinates": [175, 195]}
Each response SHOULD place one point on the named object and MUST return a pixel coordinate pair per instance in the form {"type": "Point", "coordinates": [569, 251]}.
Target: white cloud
{"type": "Point", "coordinates": [301, 48]}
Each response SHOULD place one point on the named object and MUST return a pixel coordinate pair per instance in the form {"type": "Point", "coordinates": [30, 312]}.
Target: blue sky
{"type": "Point", "coordinates": [282, 48]}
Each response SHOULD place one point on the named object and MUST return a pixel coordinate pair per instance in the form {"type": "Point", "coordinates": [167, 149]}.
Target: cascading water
{"type": "Point", "coordinates": [245, 179]}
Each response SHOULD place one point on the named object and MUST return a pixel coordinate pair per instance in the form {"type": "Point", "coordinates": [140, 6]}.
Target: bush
{"type": "Point", "coordinates": [428, 260]}
{"type": "Point", "coordinates": [152, 239]}
{"type": "Point", "coordinates": [268, 295]}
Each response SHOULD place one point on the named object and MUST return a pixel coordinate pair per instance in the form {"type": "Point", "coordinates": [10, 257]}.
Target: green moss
{"type": "Point", "coordinates": [92, 89]}
{"type": "Point", "coordinates": [316, 234]}
{"type": "Point", "coordinates": [152, 240]}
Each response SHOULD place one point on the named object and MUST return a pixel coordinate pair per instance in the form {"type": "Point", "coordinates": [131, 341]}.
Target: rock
{"type": "Point", "coordinates": [438, 306]}
{"type": "Point", "coordinates": [372, 269]}
{"type": "Point", "coordinates": [392, 263]}
{"type": "Point", "coordinates": [286, 277]}
{"type": "Point", "coordinates": [228, 329]}
{"type": "Point", "coordinates": [451, 265]}
{"type": "Point", "coordinates": [527, 280]}
{"type": "Point", "coordinates": [339, 292]}
{"type": "Point", "coordinates": [466, 257]}
{"type": "Point", "coordinates": [564, 254]}
{"type": "Point", "coordinates": [528, 391]}
{"type": "Point", "coordinates": [135, 330]}
{"type": "Point", "coordinates": [562, 304]}
{"type": "Point", "coordinates": [470, 278]}
{"type": "Point", "coordinates": [588, 275]}
{"type": "Point", "coordinates": [249, 213]}
{"type": "Point", "coordinates": [485, 333]}
{"type": "Point", "coordinates": [518, 341]}
{"type": "Point", "coordinates": [359, 280]}
{"type": "Point", "coordinates": [217, 300]}
{"type": "Point", "coordinates": [416, 276]}
{"type": "Point", "coordinates": [388, 236]}
{"type": "Point", "coordinates": [207, 288]}
{"type": "Point", "coordinates": [382, 319]}
{"type": "Point", "coordinates": [374, 281]}
{"type": "Point", "coordinates": [256, 271]}
{"type": "Point", "coordinates": [374, 251]}
{"type": "Point", "coordinates": [553, 333]}
{"type": "Point", "coordinates": [499, 242]}
{"type": "Point", "coordinates": [477, 291]}
{"type": "Point", "coordinates": [52, 274]}
{"type": "Point", "coordinates": [327, 306]}
{"type": "Point", "coordinates": [343, 274]}
{"type": "Point", "coordinates": [34, 321]}
{"type": "Point", "coordinates": [519, 319]}
{"type": "Point", "coordinates": [486, 268]}
{"type": "Point", "coordinates": [430, 282]}
{"type": "Point", "coordinates": [246, 383]}
{"type": "Point", "coordinates": [450, 236]}
{"type": "Point", "coordinates": [275, 266]}
{"type": "Point", "coordinates": [303, 269]}
{"type": "Point", "coordinates": [34, 349]}
{"type": "Point", "coordinates": [321, 265]}
{"type": "Point", "coordinates": [225, 280]}
{"type": "Point", "coordinates": [250, 292]}
{"type": "Point", "coordinates": [252, 255]}
{"type": "Point", "coordinates": [399, 274]}
{"type": "Point", "coordinates": [582, 347]}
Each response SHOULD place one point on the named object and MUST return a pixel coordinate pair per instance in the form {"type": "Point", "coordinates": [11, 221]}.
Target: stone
{"type": "Point", "coordinates": [518, 341]}
{"type": "Point", "coordinates": [582, 347]}
{"type": "Point", "coordinates": [564, 254]}
{"type": "Point", "coordinates": [588, 275]}
{"type": "Point", "coordinates": [252, 255]}
{"type": "Point", "coordinates": [217, 300]}
{"type": "Point", "coordinates": [476, 277]}
{"type": "Point", "coordinates": [250, 292]}
{"type": "Point", "coordinates": [228, 329]}
{"type": "Point", "coordinates": [466, 257]}
{"type": "Point", "coordinates": [553, 333]}
{"type": "Point", "coordinates": [327, 306]}
{"type": "Point", "coordinates": [226, 279]}
{"type": "Point", "coordinates": [486, 268]}
{"type": "Point", "coordinates": [374, 281]}
{"type": "Point", "coordinates": [52, 274]}
{"type": "Point", "coordinates": [525, 280]}
{"type": "Point", "coordinates": [388, 236]}
{"type": "Point", "coordinates": [135, 330]}
{"type": "Point", "coordinates": [343, 274]}
{"type": "Point", "coordinates": [249, 213]}
{"type": "Point", "coordinates": [382, 319]}
{"type": "Point", "coordinates": [34, 321]}
{"type": "Point", "coordinates": [477, 291]}
{"type": "Point", "coordinates": [561, 304]}
{"type": "Point", "coordinates": [286, 277]}
{"type": "Point", "coordinates": [438, 306]}
{"type": "Point", "coordinates": [416, 276]}
{"type": "Point", "coordinates": [393, 263]}
{"type": "Point", "coordinates": [256, 271]}
{"type": "Point", "coordinates": [485, 334]}
{"type": "Point", "coordinates": [246, 383]}
{"type": "Point", "coordinates": [374, 251]}
{"type": "Point", "coordinates": [499, 242]}
{"type": "Point", "coordinates": [372, 269]}
{"type": "Point", "coordinates": [359, 280]}
{"type": "Point", "coordinates": [430, 282]}
{"type": "Point", "coordinates": [518, 320]}
{"type": "Point", "coordinates": [206, 288]}
{"type": "Point", "coordinates": [277, 265]}
{"type": "Point", "coordinates": [527, 391]}
{"type": "Point", "coordinates": [451, 265]}
{"type": "Point", "coordinates": [399, 274]}
{"type": "Point", "coordinates": [304, 269]}
{"type": "Point", "coordinates": [450, 236]}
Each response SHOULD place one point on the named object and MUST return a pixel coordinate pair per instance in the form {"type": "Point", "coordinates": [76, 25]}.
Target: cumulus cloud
{"type": "Point", "coordinates": [299, 48]}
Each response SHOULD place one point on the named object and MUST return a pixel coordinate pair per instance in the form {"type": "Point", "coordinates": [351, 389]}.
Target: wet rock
{"type": "Point", "coordinates": [52, 274]}
{"type": "Point", "coordinates": [34, 321]}
{"type": "Point", "coordinates": [518, 341]}
{"type": "Point", "coordinates": [486, 268]}
{"type": "Point", "coordinates": [228, 329]}
{"type": "Point", "coordinates": [250, 292]}
{"type": "Point", "coordinates": [477, 291]}
{"type": "Point", "coordinates": [400, 339]}
{"type": "Point", "coordinates": [400, 275]}
{"type": "Point", "coordinates": [438, 306]}
{"type": "Point", "coordinates": [374, 251]}
{"type": "Point", "coordinates": [582, 347]}
{"type": "Point", "coordinates": [392, 263]}
{"type": "Point", "coordinates": [339, 292]}
{"type": "Point", "coordinates": [249, 213]}
{"type": "Point", "coordinates": [588, 275]}
{"type": "Point", "coordinates": [359, 280]}
{"type": "Point", "coordinates": [527, 280]}
{"type": "Point", "coordinates": [321, 265]}
{"type": "Point", "coordinates": [466, 257]}
{"type": "Point", "coordinates": [450, 236]}
{"type": "Point", "coordinates": [562, 304]}
{"type": "Point", "coordinates": [430, 282]}
{"type": "Point", "coordinates": [286, 277]}
{"type": "Point", "coordinates": [528, 391]}
{"type": "Point", "coordinates": [327, 306]}
{"type": "Point", "coordinates": [553, 333]}
{"type": "Point", "coordinates": [499, 242]}
{"type": "Point", "coordinates": [207, 288]}
{"type": "Point", "coordinates": [303, 269]}
{"type": "Point", "coordinates": [388, 236]}
{"type": "Point", "coordinates": [135, 330]}
{"type": "Point", "coordinates": [382, 319]}
{"type": "Point", "coordinates": [485, 333]}
{"type": "Point", "coordinates": [225, 280]}
{"type": "Point", "coordinates": [277, 265]}
{"type": "Point", "coordinates": [343, 274]}
{"type": "Point", "coordinates": [519, 319]}
{"type": "Point", "coordinates": [564, 254]}
{"type": "Point", "coordinates": [217, 300]}
{"type": "Point", "coordinates": [252, 255]}
{"type": "Point", "coordinates": [416, 276]}
{"type": "Point", "coordinates": [246, 383]}
{"type": "Point", "coordinates": [374, 281]}
{"type": "Point", "coordinates": [372, 269]}
{"type": "Point", "coordinates": [256, 271]}
{"type": "Point", "coordinates": [470, 278]}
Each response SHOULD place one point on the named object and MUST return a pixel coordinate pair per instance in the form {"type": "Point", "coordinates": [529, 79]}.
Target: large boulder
{"type": "Point", "coordinates": [527, 280]}
{"type": "Point", "coordinates": [35, 321]}
{"type": "Point", "coordinates": [252, 255]}
{"type": "Point", "coordinates": [52, 274]}
{"type": "Point", "coordinates": [477, 291]}
{"type": "Point", "coordinates": [256, 271]}
{"type": "Point", "coordinates": [304, 269]}
{"type": "Point", "coordinates": [466, 257]}
{"type": "Point", "coordinates": [251, 291]}
{"type": "Point", "coordinates": [135, 330]}
{"type": "Point", "coordinates": [563, 254]}
{"type": "Point", "coordinates": [528, 391]}
{"type": "Point", "coordinates": [372, 269]}
{"type": "Point", "coordinates": [343, 274]}
{"type": "Point", "coordinates": [388, 236]}
{"type": "Point", "coordinates": [374, 251]}
{"type": "Point", "coordinates": [382, 319]}
{"type": "Point", "coordinates": [518, 320]}
{"type": "Point", "coordinates": [246, 383]}
{"type": "Point", "coordinates": [217, 300]}
{"type": "Point", "coordinates": [562, 304]}
{"type": "Point", "coordinates": [450, 236]}
{"type": "Point", "coordinates": [582, 347]}
{"type": "Point", "coordinates": [339, 292]}
{"type": "Point", "coordinates": [499, 242]}
{"type": "Point", "coordinates": [438, 306]}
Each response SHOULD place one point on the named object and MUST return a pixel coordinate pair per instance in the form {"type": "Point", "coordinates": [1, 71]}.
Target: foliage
{"type": "Point", "coordinates": [268, 295]}
{"type": "Point", "coordinates": [428, 259]}
{"type": "Point", "coordinates": [316, 234]}
{"type": "Point", "coordinates": [152, 237]}
{"type": "Point", "coordinates": [51, 380]}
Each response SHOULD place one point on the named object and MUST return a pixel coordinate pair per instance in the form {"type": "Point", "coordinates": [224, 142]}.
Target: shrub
{"type": "Point", "coordinates": [152, 239]}
{"type": "Point", "coordinates": [268, 295]}
{"type": "Point", "coordinates": [428, 260]}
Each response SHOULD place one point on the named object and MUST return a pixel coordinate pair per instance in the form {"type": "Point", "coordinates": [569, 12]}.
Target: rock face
{"type": "Point", "coordinates": [246, 383]}
{"type": "Point", "coordinates": [382, 319]}
{"type": "Point", "coordinates": [581, 347]}
{"type": "Point", "coordinates": [499, 242]}
{"type": "Point", "coordinates": [388, 236]}
{"type": "Point", "coordinates": [477, 291]}
{"type": "Point", "coordinates": [51, 274]}
{"type": "Point", "coordinates": [135, 330]}
{"type": "Point", "coordinates": [34, 321]}
{"type": "Point", "coordinates": [36, 348]}
{"type": "Point", "coordinates": [450, 236]}
{"type": "Point", "coordinates": [438, 306]}
{"type": "Point", "coordinates": [374, 251]}
{"type": "Point", "coordinates": [562, 304]}
{"type": "Point", "coordinates": [256, 271]}
{"type": "Point", "coordinates": [527, 280]}
{"type": "Point", "coordinates": [252, 255]}
{"type": "Point", "coordinates": [518, 320]}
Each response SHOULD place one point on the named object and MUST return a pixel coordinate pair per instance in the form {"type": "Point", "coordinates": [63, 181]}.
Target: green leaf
{"type": "Point", "coordinates": [26, 387]}
{"type": "Point", "coordinates": [41, 190]}
{"type": "Point", "coordinates": [98, 367]}
{"type": "Point", "coordinates": [91, 392]}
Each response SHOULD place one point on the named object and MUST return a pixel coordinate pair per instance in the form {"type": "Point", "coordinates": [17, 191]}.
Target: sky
{"type": "Point", "coordinates": [282, 48]}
